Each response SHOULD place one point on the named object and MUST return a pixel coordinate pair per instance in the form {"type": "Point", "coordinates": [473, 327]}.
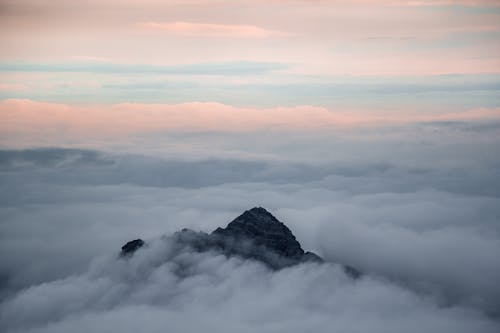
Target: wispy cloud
{"type": "Point", "coordinates": [212, 30]}
{"type": "Point", "coordinates": [26, 122]}
{"type": "Point", "coordinates": [208, 68]}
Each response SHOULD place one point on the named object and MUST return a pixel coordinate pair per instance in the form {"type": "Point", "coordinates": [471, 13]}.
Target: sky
{"type": "Point", "coordinates": [370, 127]}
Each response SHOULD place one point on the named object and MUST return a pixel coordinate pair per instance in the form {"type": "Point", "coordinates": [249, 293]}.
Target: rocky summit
{"type": "Point", "coordinates": [256, 234]}
{"type": "Point", "coordinates": [132, 246]}
{"type": "Point", "coordinates": [264, 230]}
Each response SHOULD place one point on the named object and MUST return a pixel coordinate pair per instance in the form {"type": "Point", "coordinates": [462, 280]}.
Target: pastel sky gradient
{"type": "Point", "coordinates": [371, 128]}
{"type": "Point", "coordinates": [243, 65]}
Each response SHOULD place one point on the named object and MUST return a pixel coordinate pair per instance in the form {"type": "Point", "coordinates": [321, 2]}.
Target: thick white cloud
{"type": "Point", "coordinates": [163, 288]}
{"type": "Point", "coordinates": [427, 238]}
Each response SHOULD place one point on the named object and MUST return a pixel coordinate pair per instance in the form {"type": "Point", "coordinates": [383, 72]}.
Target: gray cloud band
{"type": "Point", "coordinates": [428, 240]}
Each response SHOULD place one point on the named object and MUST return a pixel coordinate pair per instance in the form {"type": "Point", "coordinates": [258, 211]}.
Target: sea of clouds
{"type": "Point", "coordinates": [420, 219]}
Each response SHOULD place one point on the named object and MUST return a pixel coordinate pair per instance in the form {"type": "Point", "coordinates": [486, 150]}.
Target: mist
{"type": "Point", "coordinates": [427, 242]}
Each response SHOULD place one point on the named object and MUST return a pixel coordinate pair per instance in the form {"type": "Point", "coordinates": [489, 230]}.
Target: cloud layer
{"type": "Point", "coordinates": [28, 123]}
{"type": "Point", "coordinates": [417, 236]}
{"type": "Point", "coordinates": [165, 287]}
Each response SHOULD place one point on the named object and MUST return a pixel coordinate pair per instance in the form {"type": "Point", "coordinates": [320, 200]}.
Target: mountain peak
{"type": "Point", "coordinates": [256, 215]}
{"type": "Point", "coordinates": [256, 234]}
{"type": "Point", "coordinates": [262, 228]}
{"type": "Point", "coordinates": [259, 211]}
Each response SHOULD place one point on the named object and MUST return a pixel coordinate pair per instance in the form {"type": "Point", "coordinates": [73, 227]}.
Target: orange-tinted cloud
{"type": "Point", "coordinates": [35, 122]}
{"type": "Point", "coordinates": [26, 115]}
{"type": "Point", "coordinates": [211, 30]}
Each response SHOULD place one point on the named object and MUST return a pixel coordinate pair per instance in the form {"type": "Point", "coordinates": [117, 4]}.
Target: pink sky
{"type": "Point", "coordinates": [319, 37]}
{"type": "Point", "coordinates": [307, 42]}
{"type": "Point", "coordinates": [37, 122]}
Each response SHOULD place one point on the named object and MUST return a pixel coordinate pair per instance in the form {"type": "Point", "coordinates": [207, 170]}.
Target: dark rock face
{"type": "Point", "coordinates": [260, 226]}
{"type": "Point", "coordinates": [256, 234]}
{"type": "Point", "coordinates": [132, 246]}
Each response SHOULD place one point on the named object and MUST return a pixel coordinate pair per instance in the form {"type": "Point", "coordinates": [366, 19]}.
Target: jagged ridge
{"type": "Point", "coordinates": [256, 234]}
{"type": "Point", "coordinates": [260, 226]}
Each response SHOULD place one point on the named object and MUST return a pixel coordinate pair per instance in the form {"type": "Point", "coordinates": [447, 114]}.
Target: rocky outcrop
{"type": "Point", "coordinates": [260, 226]}
{"type": "Point", "coordinates": [259, 235]}
{"type": "Point", "coordinates": [131, 247]}
{"type": "Point", "coordinates": [256, 234]}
